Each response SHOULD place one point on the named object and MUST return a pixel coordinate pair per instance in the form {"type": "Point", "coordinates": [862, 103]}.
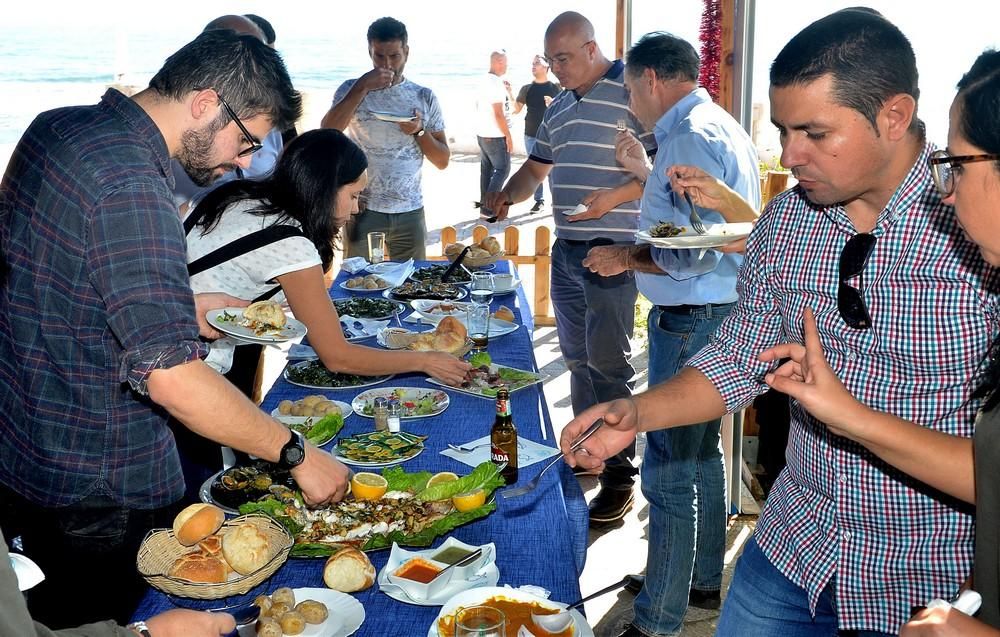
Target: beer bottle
{"type": "Point", "coordinates": [503, 438]}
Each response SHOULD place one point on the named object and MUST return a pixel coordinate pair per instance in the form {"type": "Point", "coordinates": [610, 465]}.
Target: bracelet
{"type": "Point", "coordinates": [141, 628]}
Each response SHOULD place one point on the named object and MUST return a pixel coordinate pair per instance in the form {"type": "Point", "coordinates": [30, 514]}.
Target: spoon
{"type": "Point", "coordinates": [558, 622]}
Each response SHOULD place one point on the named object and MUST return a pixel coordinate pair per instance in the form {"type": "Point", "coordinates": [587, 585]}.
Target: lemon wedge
{"type": "Point", "coordinates": [441, 478]}
{"type": "Point", "coordinates": [469, 500]}
{"type": "Point", "coordinates": [368, 486]}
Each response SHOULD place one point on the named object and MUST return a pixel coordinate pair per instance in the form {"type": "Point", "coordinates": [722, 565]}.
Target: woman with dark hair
{"type": "Point", "coordinates": [967, 175]}
{"type": "Point", "coordinates": [300, 208]}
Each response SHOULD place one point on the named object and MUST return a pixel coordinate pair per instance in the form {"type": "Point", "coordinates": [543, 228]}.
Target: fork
{"type": "Point", "coordinates": [621, 125]}
{"type": "Point", "coordinates": [512, 492]}
{"type": "Point", "coordinates": [696, 222]}
{"type": "Point", "coordinates": [464, 449]}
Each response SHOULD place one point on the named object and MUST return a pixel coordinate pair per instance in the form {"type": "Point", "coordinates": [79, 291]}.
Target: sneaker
{"type": "Point", "coordinates": [538, 205]}
{"type": "Point", "coordinates": [610, 505]}
{"type": "Point", "coordinates": [709, 600]}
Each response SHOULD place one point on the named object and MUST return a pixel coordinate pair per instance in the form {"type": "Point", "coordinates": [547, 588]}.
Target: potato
{"type": "Point", "coordinates": [268, 627]}
{"type": "Point", "coordinates": [292, 623]}
{"type": "Point", "coordinates": [314, 612]}
{"type": "Point", "coordinates": [278, 609]}
{"type": "Point", "coordinates": [285, 407]}
{"type": "Point", "coordinates": [297, 410]}
{"type": "Point", "coordinates": [309, 401]}
{"type": "Point", "coordinates": [265, 604]}
{"type": "Point", "coordinates": [284, 594]}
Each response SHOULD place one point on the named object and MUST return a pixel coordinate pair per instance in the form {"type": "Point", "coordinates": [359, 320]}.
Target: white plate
{"type": "Point", "coordinates": [477, 596]}
{"type": "Point", "coordinates": [487, 575]}
{"type": "Point", "coordinates": [345, 411]}
{"type": "Point", "coordinates": [478, 392]}
{"type": "Point", "coordinates": [343, 286]}
{"type": "Point", "coordinates": [463, 292]}
{"type": "Point", "coordinates": [498, 327]}
{"type": "Point", "coordinates": [300, 420]}
{"type": "Point", "coordinates": [405, 393]}
{"type": "Point", "coordinates": [423, 307]}
{"type": "Point", "coordinates": [516, 283]}
{"type": "Point", "coordinates": [387, 463]}
{"type": "Point", "coordinates": [717, 234]}
{"type": "Point", "coordinates": [346, 614]}
{"type": "Point", "coordinates": [292, 328]}
{"type": "Point", "coordinates": [376, 381]}
{"type": "Point", "coordinates": [392, 117]}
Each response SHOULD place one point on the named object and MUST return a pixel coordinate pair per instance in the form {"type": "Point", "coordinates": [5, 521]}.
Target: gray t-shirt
{"type": "Point", "coordinates": [394, 158]}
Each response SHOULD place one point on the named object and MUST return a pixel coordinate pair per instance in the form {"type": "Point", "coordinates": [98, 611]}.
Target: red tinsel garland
{"type": "Point", "coordinates": [711, 47]}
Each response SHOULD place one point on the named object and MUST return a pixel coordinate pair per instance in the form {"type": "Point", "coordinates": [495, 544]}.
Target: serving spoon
{"type": "Point", "coordinates": [558, 622]}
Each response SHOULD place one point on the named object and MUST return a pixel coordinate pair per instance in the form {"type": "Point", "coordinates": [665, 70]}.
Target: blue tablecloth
{"type": "Point", "coordinates": [541, 538]}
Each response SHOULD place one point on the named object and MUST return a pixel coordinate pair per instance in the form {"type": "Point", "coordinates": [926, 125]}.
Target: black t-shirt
{"type": "Point", "coordinates": [533, 95]}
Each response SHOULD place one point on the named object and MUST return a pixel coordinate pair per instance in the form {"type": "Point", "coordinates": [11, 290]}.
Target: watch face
{"type": "Point", "coordinates": [293, 456]}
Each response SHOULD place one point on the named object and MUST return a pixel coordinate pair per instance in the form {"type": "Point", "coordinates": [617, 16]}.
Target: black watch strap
{"type": "Point", "coordinates": [141, 628]}
{"type": "Point", "coordinates": [294, 451]}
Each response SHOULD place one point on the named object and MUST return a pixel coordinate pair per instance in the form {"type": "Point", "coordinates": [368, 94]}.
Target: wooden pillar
{"type": "Point", "coordinates": [726, 71]}
{"type": "Point", "coordinates": [621, 28]}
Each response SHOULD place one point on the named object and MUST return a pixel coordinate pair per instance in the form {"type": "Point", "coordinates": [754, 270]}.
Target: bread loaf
{"type": "Point", "coordinates": [504, 313]}
{"type": "Point", "coordinates": [212, 545]}
{"type": "Point", "coordinates": [246, 548]}
{"type": "Point", "coordinates": [198, 567]}
{"type": "Point", "coordinates": [453, 249]}
{"type": "Point", "coordinates": [197, 522]}
{"type": "Point", "coordinates": [491, 245]}
{"type": "Point", "coordinates": [348, 571]}
{"type": "Point", "coordinates": [266, 312]}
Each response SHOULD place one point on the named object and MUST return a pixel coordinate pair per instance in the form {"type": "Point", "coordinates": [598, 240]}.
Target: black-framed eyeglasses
{"type": "Point", "coordinates": [255, 144]}
{"type": "Point", "coordinates": [850, 301]}
{"type": "Point", "coordinates": [563, 58]}
{"type": "Point", "coordinates": [943, 168]}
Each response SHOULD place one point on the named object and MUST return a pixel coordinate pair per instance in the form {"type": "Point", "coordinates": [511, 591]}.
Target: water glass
{"type": "Point", "coordinates": [481, 288]}
{"type": "Point", "coordinates": [478, 322]}
{"type": "Point", "coordinates": [480, 621]}
{"type": "Point", "coordinates": [376, 247]}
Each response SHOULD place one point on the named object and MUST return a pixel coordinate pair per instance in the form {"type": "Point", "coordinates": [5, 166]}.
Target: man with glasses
{"type": "Point", "coordinates": [845, 543]}
{"type": "Point", "coordinates": [99, 330]}
{"type": "Point", "coordinates": [397, 123]}
{"type": "Point", "coordinates": [575, 148]}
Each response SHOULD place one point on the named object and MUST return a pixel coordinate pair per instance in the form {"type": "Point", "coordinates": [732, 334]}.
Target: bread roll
{"type": "Point", "coordinates": [478, 253]}
{"type": "Point", "coordinates": [491, 245]}
{"type": "Point", "coordinates": [197, 567]}
{"type": "Point", "coordinates": [453, 249]}
{"type": "Point", "coordinates": [452, 325]}
{"type": "Point", "coordinates": [246, 548]}
{"type": "Point", "coordinates": [504, 313]}
{"type": "Point", "coordinates": [266, 312]}
{"type": "Point", "coordinates": [212, 545]}
{"type": "Point", "coordinates": [348, 570]}
{"type": "Point", "coordinates": [197, 522]}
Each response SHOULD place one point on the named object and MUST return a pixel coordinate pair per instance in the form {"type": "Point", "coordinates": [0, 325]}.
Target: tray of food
{"type": "Point", "coordinates": [368, 308]}
{"type": "Point", "coordinates": [667, 235]}
{"type": "Point", "coordinates": [233, 487]}
{"type": "Point", "coordinates": [486, 377]}
{"type": "Point", "coordinates": [314, 375]}
{"type": "Point", "coordinates": [261, 322]}
{"type": "Point", "coordinates": [433, 273]}
{"type": "Point", "coordinates": [481, 254]}
{"type": "Point", "coordinates": [414, 402]}
{"type": "Point", "coordinates": [367, 283]}
{"type": "Point", "coordinates": [450, 336]}
{"type": "Point", "coordinates": [426, 290]}
{"type": "Point", "coordinates": [379, 448]}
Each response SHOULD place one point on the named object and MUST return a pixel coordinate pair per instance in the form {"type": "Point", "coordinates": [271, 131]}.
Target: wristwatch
{"type": "Point", "coordinates": [140, 628]}
{"type": "Point", "coordinates": [419, 133]}
{"type": "Point", "coordinates": [294, 451]}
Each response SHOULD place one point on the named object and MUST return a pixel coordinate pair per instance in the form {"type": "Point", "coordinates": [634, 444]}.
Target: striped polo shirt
{"type": "Point", "coordinates": [577, 138]}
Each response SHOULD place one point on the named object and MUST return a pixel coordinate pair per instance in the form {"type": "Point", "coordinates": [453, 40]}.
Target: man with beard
{"type": "Point", "coordinates": [364, 109]}
{"type": "Point", "coordinates": [99, 343]}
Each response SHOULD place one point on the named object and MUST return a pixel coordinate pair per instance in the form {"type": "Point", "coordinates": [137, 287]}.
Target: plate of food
{"type": "Point", "coordinates": [231, 488]}
{"type": "Point", "coordinates": [405, 510]}
{"type": "Point", "coordinates": [434, 311]}
{"type": "Point", "coordinates": [314, 375]}
{"type": "Point", "coordinates": [392, 117]}
{"type": "Point", "coordinates": [517, 606]}
{"type": "Point", "coordinates": [414, 402]}
{"type": "Point", "coordinates": [318, 430]}
{"type": "Point", "coordinates": [324, 613]}
{"type": "Point", "coordinates": [365, 284]}
{"type": "Point", "coordinates": [486, 377]}
{"type": "Point", "coordinates": [450, 336]}
{"type": "Point", "coordinates": [311, 406]}
{"type": "Point", "coordinates": [667, 235]}
{"type": "Point", "coordinates": [379, 448]}
{"type": "Point", "coordinates": [433, 273]}
{"type": "Point", "coordinates": [261, 322]}
{"type": "Point", "coordinates": [368, 308]}
{"type": "Point", "coordinates": [411, 290]}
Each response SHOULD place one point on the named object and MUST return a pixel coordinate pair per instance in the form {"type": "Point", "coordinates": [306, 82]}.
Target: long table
{"type": "Point", "coordinates": [541, 538]}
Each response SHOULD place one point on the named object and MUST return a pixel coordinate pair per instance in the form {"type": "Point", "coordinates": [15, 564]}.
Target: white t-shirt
{"type": "Point", "coordinates": [249, 275]}
{"type": "Point", "coordinates": [489, 91]}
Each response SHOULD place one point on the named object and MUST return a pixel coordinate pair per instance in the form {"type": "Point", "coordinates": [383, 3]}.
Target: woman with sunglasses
{"type": "Point", "coordinates": [968, 178]}
{"type": "Point", "coordinates": [312, 192]}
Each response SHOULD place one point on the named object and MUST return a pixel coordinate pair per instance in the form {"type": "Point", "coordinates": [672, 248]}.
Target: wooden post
{"type": "Point", "coordinates": [620, 29]}
{"type": "Point", "coordinates": [726, 75]}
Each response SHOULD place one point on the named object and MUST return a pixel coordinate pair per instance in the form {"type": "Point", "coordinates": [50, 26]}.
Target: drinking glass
{"type": "Point", "coordinates": [376, 247]}
{"type": "Point", "coordinates": [481, 287]}
{"type": "Point", "coordinates": [478, 322]}
{"type": "Point", "coordinates": [480, 621]}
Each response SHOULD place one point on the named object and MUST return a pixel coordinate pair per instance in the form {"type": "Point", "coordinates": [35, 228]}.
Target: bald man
{"type": "Point", "coordinates": [493, 106]}
{"type": "Point", "coordinates": [575, 148]}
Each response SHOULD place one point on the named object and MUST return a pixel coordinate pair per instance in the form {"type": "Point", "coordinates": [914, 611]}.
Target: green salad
{"type": "Point", "coordinates": [321, 431]}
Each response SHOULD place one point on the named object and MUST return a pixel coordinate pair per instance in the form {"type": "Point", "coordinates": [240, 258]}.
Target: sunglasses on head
{"type": "Point", "coordinates": [850, 302]}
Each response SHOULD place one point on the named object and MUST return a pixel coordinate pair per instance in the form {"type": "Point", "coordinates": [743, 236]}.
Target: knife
{"type": "Point", "coordinates": [454, 264]}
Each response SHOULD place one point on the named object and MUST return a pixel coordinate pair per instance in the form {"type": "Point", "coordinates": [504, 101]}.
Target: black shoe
{"type": "Point", "coordinates": [538, 205]}
{"type": "Point", "coordinates": [709, 600]}
{"type": "Point", "coordinates": [630, 631]}
{"type": "Point", "coordinates": [635, 583]}
{"type": "Point", "coordinates": [610, 505]}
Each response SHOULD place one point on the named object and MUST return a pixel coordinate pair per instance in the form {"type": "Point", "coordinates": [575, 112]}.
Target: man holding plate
{"type": "Point", "coordinates": [683, 476]}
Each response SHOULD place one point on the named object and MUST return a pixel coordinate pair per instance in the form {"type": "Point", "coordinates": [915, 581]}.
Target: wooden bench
{"type": "Point", "coordinates": [541, 261]}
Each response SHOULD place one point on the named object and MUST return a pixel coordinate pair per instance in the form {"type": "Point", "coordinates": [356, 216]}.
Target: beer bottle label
{"type": "Point", "coordinates": [498, 455]}
{"type": "Point", "coordinates": [503, 407]}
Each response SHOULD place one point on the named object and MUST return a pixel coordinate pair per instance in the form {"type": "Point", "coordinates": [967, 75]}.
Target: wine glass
{"type": "Point", "coordinates": [482, 288]}
{"type": "Point", "coordinates": [480, 621]}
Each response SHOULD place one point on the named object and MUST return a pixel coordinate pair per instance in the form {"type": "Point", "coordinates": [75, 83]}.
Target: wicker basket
{"type": "Point", "coordinates": [473, 262]}
{"type": "Point", "coordinates": [160, 549]}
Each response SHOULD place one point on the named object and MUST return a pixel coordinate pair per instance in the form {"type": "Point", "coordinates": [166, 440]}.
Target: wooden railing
{"type": "Point", "coordinates": [541, 261]}
{"type": "Point", "coordinates": [772, 183]}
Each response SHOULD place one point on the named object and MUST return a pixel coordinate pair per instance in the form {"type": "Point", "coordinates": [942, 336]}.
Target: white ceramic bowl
{"type": "Point", "coordinates": [470, 569]}
{"type": "Point", "coordinates": [419, 590]}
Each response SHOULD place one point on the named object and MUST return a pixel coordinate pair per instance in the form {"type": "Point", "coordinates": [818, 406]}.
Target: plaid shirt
{"type": "Point", "coordinates": [838, 515]}
{"type": "Point", "coordinates": [96, 298]}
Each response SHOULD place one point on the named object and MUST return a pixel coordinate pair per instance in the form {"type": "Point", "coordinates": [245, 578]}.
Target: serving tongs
{"type": "Point", "coordinates": [455, 264]}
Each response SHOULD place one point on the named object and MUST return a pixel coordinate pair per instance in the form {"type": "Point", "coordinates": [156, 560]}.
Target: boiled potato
{"type": "Point", "coordinates": [292, 623]}
{"type": "Point", "coordinates": [268, 627]}
{"type": "Point", "coordinates": [265, 604]}
{"type": "Point", "coordinates": [297, 410]}
{"type": "Point", "coordinates": [278, 609]}
{"type": "Point", "coordinates": [285, 407]}
{"type": "Point", "coordinates": [314, 612]}
{"type": "Point", "coordinates": [309, 401]}
{"type": "Point", "coordinates": [284, 594]}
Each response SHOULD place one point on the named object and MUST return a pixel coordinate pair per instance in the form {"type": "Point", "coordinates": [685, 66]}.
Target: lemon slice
{"type": "Point", "coordinates": [469, 500]}
{"type": "Point", "coordinates": [441, 478]}
{"type": "Point", "coordinates": [368, 486]}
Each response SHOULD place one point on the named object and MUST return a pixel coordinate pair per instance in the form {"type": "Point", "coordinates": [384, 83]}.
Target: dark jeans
{"type": "Point", "coordinates": [595, 317]}
{"type": "Point", "coordinates": [405, 234]}
{"type": "Point", "coordinates": [494, 164]}
{"type": "Point", "coordinates": [87, 551]}
{"type": "Point", "coordinates": [529, 145]}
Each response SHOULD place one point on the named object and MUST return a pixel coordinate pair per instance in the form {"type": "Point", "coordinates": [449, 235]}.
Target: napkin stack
{"type": "Point", "coordinates": [354, 264]}
{"type": "Point", "coordinates": [395, 276]}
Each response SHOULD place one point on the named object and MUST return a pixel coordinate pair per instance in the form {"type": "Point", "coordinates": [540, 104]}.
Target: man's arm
{"type": "Point", "coordinates": [519, 187]}
{"type": "Point", "coordinates": [340, 114]}
{"type": "Point", "coordinates": [435, 148]}
{"type": "Point", "coordinates": [501, 120]}
{"type": "Point", "coordinates": [601, 202]}
{"type": "Point", "coordinates": [612, 260]}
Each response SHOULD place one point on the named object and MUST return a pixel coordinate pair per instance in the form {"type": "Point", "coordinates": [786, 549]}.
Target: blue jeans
{"type": "Point", "coordinates": [683, 479]}
{"type": "Point", "coordinates": [762, 602]}
{"type": "Point", "coordinates": [494, 164]}
{"type": "Point", "coordinates": [529, 145]}
{"type": "Point", "coordinates": [595, 317]}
